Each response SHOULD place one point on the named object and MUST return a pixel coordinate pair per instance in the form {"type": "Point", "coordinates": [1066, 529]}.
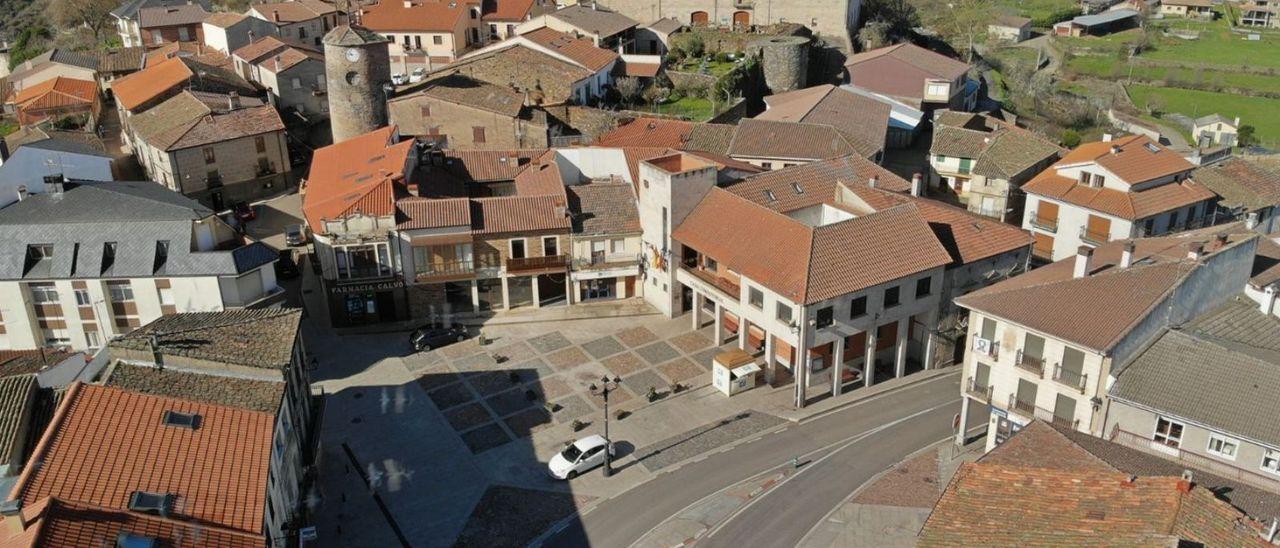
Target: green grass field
{"type": "Point", "coordinates": [1217, 45]}
{"type": "Point", "coordinates": [1110, 68]}
{"type": "Point", "coordinates": [698, 109]}
{"type": "Point", "coordinates": [1261, 113]}
{"type": "Point", "coordinates": [1037, 10]}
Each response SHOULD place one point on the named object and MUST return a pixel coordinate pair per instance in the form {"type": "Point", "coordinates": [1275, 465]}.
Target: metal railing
{"type": "Point", "coordinates": [1027, 408]}
{"type": "Point", "coordinates": [1044, 223]}
{"type": "Point", "coordinates": [1034, 364]}
{"type": "Point", "coordinates": [1093, 236]}
{"type": "Point", "coordinates": [445, 269]}
{"type": "Point", "coordinates": [1074, 379]}
{"type": "Point", "coordinates": [725, 286]}
{"type": "Point", "coordinates": [979, 392]}
{"type": "Point", "coordinates": [537, 263]}
{"type": "Point", "coordinates": [993, 350]}
{"type": "Point", "coordinates": [601, 261]}
{"type": "Point", "coordinates": [1203, 462]}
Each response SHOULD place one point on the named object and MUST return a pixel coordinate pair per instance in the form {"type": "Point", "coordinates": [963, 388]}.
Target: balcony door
{"type": "Point", "coordinates": [517, 248]}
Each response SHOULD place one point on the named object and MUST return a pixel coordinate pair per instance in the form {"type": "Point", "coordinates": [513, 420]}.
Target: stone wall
{"type": "Point", "coordinates": [831, 19]}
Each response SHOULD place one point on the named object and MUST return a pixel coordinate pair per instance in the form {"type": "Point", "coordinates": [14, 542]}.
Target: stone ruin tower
{"type": "Point", "coordinates": [357, 67]}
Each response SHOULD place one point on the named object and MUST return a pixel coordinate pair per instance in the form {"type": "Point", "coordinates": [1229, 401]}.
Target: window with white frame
{"type": "Point", "coordinates": [44, 294]}
{"type": "Point", "coordinates": [550, 246]}
{"type": "Point", "coordinates": [517, 248]}
{"type": "Point", "coordinates": [617, 245]}
{"type": "Point", "coordinates": [166, 296]}
{"type": "Point", "coordinates": [1223, 446]}
{"type": "Point", "coordinates": [1168, 432]}
{"type": "Point", "coordinates": [82, 298]}
{"type": "Point", "coordinates": [1271, 461]}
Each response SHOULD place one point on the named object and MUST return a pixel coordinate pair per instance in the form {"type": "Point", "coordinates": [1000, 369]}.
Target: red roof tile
{"type": "Point", "coordinates": [1135, 159]}
{"type": "Point", "coordinates": [513, 214]}
{"type": "Point", "coordinates": [428, 213]}
{"type": "Point", "coordinates": [359, 174]}
{"type": "Point", "coordinates": [146, 84]}
{"type": "Point", "coordinates": [1126, 205]}
{"type": "Point", "coordinates": [506, 10]}
{"type": "Point", "coordinates": [105, 443]}
{"type": "Point", "coordinates": [55, 523]}
{"type": "Point", "coordinates": [649, 132]}
{"type": "Point", "coordinates": [901, 70]}
{"type": "Point", "coordinates": [420, 16]}
{"type": "Point", "coordinates": [294, 11]}
{"type": "Point", "coordinates": [580, 50]}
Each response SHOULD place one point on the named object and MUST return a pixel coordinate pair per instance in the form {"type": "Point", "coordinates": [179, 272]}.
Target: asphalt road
{"type": "Point", "coordinates": [624, 519]}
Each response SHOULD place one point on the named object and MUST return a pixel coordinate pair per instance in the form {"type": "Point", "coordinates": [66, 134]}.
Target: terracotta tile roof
{"type": "Point", "coordinates": [57, 93]}
{"type": "Point", "coordinates": [1001, 150]}
{"type": "Point", "coordinates": [154, 81]}
{"type": "Point", "coordinates": [1241, 183]}
{"type": "Point", "coordinates": [290, 57]}
{"type": "Point", "coordinates": [224, 19]}
{"type": "Point", "coordinates": [490, 165]}
{"type": "Point", "coordinates": [419, 213]}
{"type": "Point", "coordinates": [724, 162]}
{"type": "Point", "coordinates": [17, 396]}
{"type": "Point", "coordinates": [549, 79]}
{"type": "Point", "coordinates": [604, 208]}
{"type": "Point", "coordinates": [187, 120]}
{"type": "Point", "coordinates": [810, 264]}
{"type": "Point", "coordinates": [195, 51]}
{"type": "Point", "coordinates": [56, 523]}
{"type": "Point", "coordinates": [653, 132]}
{"type": "Point", "coordinates": [251, 337]}
{"type": "Point", "coordinates": [514, 214]}
{"type": "Point", "coordinates": [506, 10]}
{"type": "Point", "coordinates": [713, 138]}
{"type": "Point", "coordinates": [361, 173]}
{"type": "Point", "coordinates": [462, 90]}
{"type": "Point", "coordinates": [1266, 264]}
{"type": "Point", "coordinates": [636, 154]}
{"type": "Point", "coordinates": [817, 179]}
{"type": "Point", "coordinates": [901, 70]}
{"type": "Point", "coordinates": [1128, 295]}
{"type": "Point", "coordinates": [541, 178]}
{"type": "Point", "coordinates": [582, 51]}
{"type": "Point", "coordinates": [294, 11]}
{"type": "Point", "coordinates": [244, 393]}
{"type": "Point", "coordinates": [594, 20]}
{"type": "Point", "coordinates": [666, 25]}
{"type": "Point", "coordinates": [1069, 508]}
{"type": "Point", "coordinates": [791, 140]}
{"type": "Point", "coordinates": [166, 16]}
{"type": "Point", "coordinates": [420, 16]}
{"type": "Point", "coordinates": [21, 362]}
{"type": "Point", "coordinates": [1134, 159]}
{"type": "Point", "coordinates": [258, 52]}
{"type": "Point", "coordinates": [860, 119]}
{"type": "Point", "coordinates": [106, 443]}
{"type": "Point", "coordinates": [1126, 205]}
{"type": "Point", "coordinates": [641, 70]}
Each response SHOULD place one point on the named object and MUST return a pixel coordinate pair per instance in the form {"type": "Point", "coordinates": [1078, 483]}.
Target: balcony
{"type": "Point", "coordinates": [532, 264]}
{"type": "Point", "coordinates": [724, 285]}
{"type": "Point", "coordinates": [1027, 408]}
{"type": "Point", "coordinates": [978, 392]}
{"type": "Point", "coordinates": [1034, 364]}
{"type": "Point", "coordinates": [446, 271]}
{"type": "Point", "coordinates": [1093, 237]}
{"type": "Point", "coordinates": [1203, 462]}
{"type": "Point", "coordinates": [1044, 223]}
{"type": "Point", "coordinates": [602, 261]}
{"type": "Point", "coordinates": [986, 348]}
{"type": "Point", "coordinates": [1074, 379]}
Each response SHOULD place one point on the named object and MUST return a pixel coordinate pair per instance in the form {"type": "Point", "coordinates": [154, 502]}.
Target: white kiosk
{"type": "Point", "coordinates": [734, 371]}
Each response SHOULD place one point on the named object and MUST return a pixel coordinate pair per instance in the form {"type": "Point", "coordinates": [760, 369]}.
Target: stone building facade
{"type": "Point", "coordinates": [356, 67]}
{"type": "Point", "coordinates": [833, 20]}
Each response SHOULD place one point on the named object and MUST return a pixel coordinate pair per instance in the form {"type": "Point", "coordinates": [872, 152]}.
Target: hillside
{"type": "Point", "coordinates": [16, 15]}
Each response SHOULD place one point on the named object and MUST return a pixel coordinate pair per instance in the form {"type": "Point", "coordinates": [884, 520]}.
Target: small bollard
{"type": "Point", "coordinates": [795, 462]}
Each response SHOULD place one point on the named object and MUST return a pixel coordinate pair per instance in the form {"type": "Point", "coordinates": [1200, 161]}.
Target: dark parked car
{"type": "Point", "coordinates": [428, 337]}
{"type": "Point", "coordinates": [286, 268]}
{"type": "Point", "coordinates": [295, 235]}
{"type": "Point", "coordinates": [244, 212]}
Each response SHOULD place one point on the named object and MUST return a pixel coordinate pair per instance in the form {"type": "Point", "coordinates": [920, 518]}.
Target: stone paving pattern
{"type": "Point", "coordinates": [494, 394]}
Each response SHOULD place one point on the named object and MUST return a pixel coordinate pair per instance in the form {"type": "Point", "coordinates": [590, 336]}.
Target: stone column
{"type": "Point", "coordinates": [930, 338]}
{"type": "Point", "coordinates": [837, 355]}
{"type": "Point", "coordinates": [537, 299]}
{"type": "Point", "coordinates": [900, 356]}
{"type": "Point", "coordinates": [475, 295]}
{"type": "Point", "coordinates": [569, 286]}
{"type": "Point", "coordinates": [506, 294]}
{"type": "Point", "coordinates": [717, 335]}
{"type": "Point", "coordinates": [742, 333]}
{"type": "Point", "coordinates": [869, 365]}
{"type": "Point", "coordinates": [696, 312]}
{"type": "Point", "coordinates": [801, 366]}
{"type": "Point", "coordinates": [769, 362]}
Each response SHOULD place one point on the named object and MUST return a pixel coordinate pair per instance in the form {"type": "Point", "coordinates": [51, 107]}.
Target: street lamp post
{"type": "Point", "coordinates": [606, 386]}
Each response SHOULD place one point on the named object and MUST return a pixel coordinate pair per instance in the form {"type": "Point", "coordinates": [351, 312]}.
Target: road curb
{"type": "Point", "coordinates": [869, 397]}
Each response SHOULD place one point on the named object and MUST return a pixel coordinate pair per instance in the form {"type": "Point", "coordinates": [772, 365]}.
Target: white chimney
{"type": "Point", "coordinates": [1251, 220]}
{"type": "Point", "coordinates": [1106, 137]}
{"type": "Point", "coordinates": [1268, 304]}
{"type": "Point", "coordinates": [917, 185]}
{"type": "Point", "coordinates": [1126, 256]}
{"type": "Point", "coordinates": [873, 181]}
{"type": "Point", "coordinates": [233, 100]}
{"type": "Point", "coordinates": [1115, 149]}
{"type": "Point", "coordinates": [1195, 251]}
{"type": "Point", "coordinates": [1084, 256]}
{"type": "Point", "coordinates": [408, 4]}
{"type": "Point", "coordinates": [22, 192]}
{"type": "Point", "coordinates": [1237, 124]}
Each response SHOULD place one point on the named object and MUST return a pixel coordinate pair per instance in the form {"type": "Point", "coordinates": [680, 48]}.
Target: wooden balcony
{"type": "Point", "coordinates": [535, 264]}
{"type": "Point", "coordinates": [1033, 364]}
{"type": "Point", "coordinates": [446, 271]}
{"type": "Point", "coordinates": [730, 289]}
{"type": "Point", "coordinates": [1203, 462]}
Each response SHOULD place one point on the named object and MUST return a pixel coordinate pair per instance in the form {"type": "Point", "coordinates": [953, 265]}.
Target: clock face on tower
{"type": "Point", "coordinates": [353, 54]}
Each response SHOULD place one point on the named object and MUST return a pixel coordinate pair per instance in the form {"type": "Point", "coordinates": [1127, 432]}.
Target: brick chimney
{"type": "Point", "coordinates": [1084, 256]}
{"type": "Point", "coordinates": [1126, 256]}
{"type": "Point", "coordinates": [1185, 482]}
{"type": "Point", "coordinates": [275, 16]}
{"type": "Point", "coordinates": [917, 184]}
{"type": "Point", "coordinates": [1195, 251]}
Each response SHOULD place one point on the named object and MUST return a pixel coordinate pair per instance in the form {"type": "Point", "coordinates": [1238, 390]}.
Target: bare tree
{"type": "Point", "coordinates": [94, 15]}
{"type": "Point", "coordinates": [629, 88]}
{"type": "Point", "coordinates": [966, 19]}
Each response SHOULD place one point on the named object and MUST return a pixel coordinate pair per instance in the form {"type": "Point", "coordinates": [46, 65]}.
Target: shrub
{"type": "Point", "coordinates": [1070, 138]}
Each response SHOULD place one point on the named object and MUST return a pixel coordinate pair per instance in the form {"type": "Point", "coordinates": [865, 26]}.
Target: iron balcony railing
{"type": "Point", "coordinates": [446, 269]}
{"type": "Point", "coordinates": [1093, 236]}
{"type": "Point", "coordinates": [1074, 379]}
{"type": "Point", "coordinates": [1209, 464]}
{"type": "Point", "coordinates": [978, 391]}
{"type": "Point", "coordinates": [537, 263]}
{"type": "Point", "coordinates": [1034, 364]}
{"type": "Point", "coordinates": [1025, 407]}
{"type": "Point", "coordinates": [1044, 223]}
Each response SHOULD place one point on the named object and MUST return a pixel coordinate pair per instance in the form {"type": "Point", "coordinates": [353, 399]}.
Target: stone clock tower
{"type": "Point", "coordinates": [357, 66]}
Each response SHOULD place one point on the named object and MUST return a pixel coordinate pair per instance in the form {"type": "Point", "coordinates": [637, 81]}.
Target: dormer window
{"type": "Point", "coordinates": [162, 255]}
{"type": "Point", "coordinates": [796, 188]}
{"type": "Point", "coordinates": [108, 255]}
{"type": "Point", "coordinates": [768, 195]}
{"type": "Point", "coordinates": [190, 421]}
{"type": "Point", "coordinates": [1098, 180]}
{"type": "Point", "coordinates": [38, 255]}
{"type": "Point", "coordinates": [158, 504]}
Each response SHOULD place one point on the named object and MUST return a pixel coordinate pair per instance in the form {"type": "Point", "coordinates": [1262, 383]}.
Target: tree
{"type": "Point", "coordinates": [966, 19]}
{"type": "Point", "coordinates": [895, 20]}
{"type": "Point", "coordinates": [1246, 136]}
{"type": "Point", "coordinates": [629, 88]}
{"type": "Point", "coordinates": [94, 15]}
{"type": "Point", "coordinates": [875, 34]}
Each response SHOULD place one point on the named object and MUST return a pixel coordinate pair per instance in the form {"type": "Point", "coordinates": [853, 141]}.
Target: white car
{"type": "Point", "coordinates": [417, 75]}
{"type": "Point", "coordinates": [579, 457]}
{"type": "Point", "coordinates": [398, 79]}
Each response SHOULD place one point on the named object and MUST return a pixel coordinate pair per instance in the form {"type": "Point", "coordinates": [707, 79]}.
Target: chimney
{"type": "Point", "coordinates": [917, 184]}
{"type": "Point", "coordinates": [1270, 535]}
{"type": "Point", "coordinates": [250, 35]}
{"type": "Point", "coordinates": [1195, 251]}
{"type": "Point", "coordinates": [873, 181]}
{"type": "Point", "coordinates": [1084, 256]}
{"type": "Point", "coordinates": [1106, 137]}
{"type": "Point", "coordinates": [275, 16]}
{"type": "Point", "coordinates": [1185, 482]}
{"type": "Point", "coordinates": [1126, 256]}
{"type": "Point", "coordinates": [408, 4]}
{"type": "Point", "coordinates": [1115, 149]}
{"type": "Point", "coordinates": [1237, 124]}
{"type": "Point", "coordinates": [1251, 220]}
{"type": "Point", "coordinates": [22, 192]}
{"type": "Point", "coordinates": [1219, 242]}
{"type": "Point", "coordinates": [53, 185]}
{"type": "Point", "coordinates": [1268, 304]}
{"type": "Point", "coordinates": [11, 522]}
{"type": "Point", "coordinates": [233, 100]}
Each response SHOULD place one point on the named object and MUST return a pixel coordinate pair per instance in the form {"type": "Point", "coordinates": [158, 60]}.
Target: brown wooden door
{"type": "Point", "coordinates": [1047, 213]}
{"type": "Point", "coordinates": [741, 19]}
{"type": "Point", "coordinates": [698, 18]}
{"type": "Point", "coordinates": [1099, 229]}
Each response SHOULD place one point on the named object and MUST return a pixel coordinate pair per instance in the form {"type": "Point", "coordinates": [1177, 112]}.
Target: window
{"type": "Point", "coordinates": [82, 298]}
{"type": "Point", "coordinates": [517, 248]}
{"type": "Point", "coordinates": [936, 90]}
{"type": "Point", "coordinates": [108, 255]}
{"type": "Point", "coordinates": [1168, 432]}
{"type": "Point", "coordinates": [120, 291]}
{"type": "Point", "coordinates": [264, 166]}
{"type": "Point", "coordinates": [767, 165]}
{"type": "Point", "coordinates": [795, 187]}
{"type": "Point", "coordinates": [260, 142]}
{"type": "Point", "coordinates": [425, 110]}
{"type": "Point", "coordinates": [209, 157]}
{"type": "Point", "coordinates": [1271, 461]}
{"type": "Point", "coordinates": [44, 293]}
{"type": "Point", "coordinates": [858, 307]}
{"type": "Point", "coordinates": [181, 420]}
{"type": "Point", "coordinates": [1084, 177]}
{"type": "Point", "coordinates": [92, 340]}
{"type": "Point", "coordinates": [891, 297]}
{"type": "Point", "coordinates": [166, 296]}
{"type": "Point", "coordinates": [924, 286]}
{"type": "Point", "coordinates": [550, 246]}
{"type": "Point", "coordinates": [184, 34]}
{"type": "Point", "coordinates": [826, 317]}
{"type": "Point", "coordinates": [1223, 446]}
{"type": "Point", "coordinates": [40, 252]}
{"type": "Point", "coordinates": [755, 297]}
{"type": "Point", "coordinates": [437, 40]}
{"type": "Point", "coordinates": [477, 134]}
{"type": "Point", "coordinates": [417, 42]}
{"type": "Point", "coordinates": [296, 83]}
{"type": "Point", "coordinates": [784, 313]}
{"type": "Point", "coordinates": [617, 245]}
{"type": "Point", "coordinates": [475, 13]}
{"type": "Point", "coordinates": [1098, 180]}
{"type": "Point", "coordinates": [302, 32]}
